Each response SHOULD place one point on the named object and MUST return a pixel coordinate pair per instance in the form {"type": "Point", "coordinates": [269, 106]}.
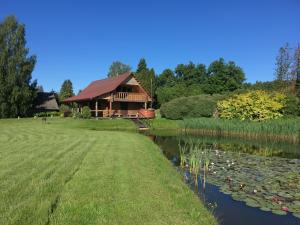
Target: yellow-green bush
{"type": "Point", "coordinates": [253, 105]}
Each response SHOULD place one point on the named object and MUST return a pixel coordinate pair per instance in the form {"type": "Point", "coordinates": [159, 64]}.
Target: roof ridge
{"type": "Point", "coordinates": [100, 87]}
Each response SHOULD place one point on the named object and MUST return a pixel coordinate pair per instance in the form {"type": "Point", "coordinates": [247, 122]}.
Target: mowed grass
{"type": "Point", "coordinates": [64, 173]}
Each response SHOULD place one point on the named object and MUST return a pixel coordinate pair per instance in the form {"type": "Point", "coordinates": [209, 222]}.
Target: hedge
{"type": "Point", "coordinates": [190, 107]}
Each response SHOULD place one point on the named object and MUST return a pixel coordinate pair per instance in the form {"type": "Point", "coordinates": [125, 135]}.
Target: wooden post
{"type": "Point", "coordinates": [145, 105]}
{"type": "Point", "coordinates": [96, 107]}
{"type": "Point", "coordinates": [110, 107]}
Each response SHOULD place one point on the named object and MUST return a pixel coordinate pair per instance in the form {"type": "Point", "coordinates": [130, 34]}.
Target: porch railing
{"type": "Point", "coordinates": [116, 113]}
{"type": "Point", "coordinates": [131, 97]}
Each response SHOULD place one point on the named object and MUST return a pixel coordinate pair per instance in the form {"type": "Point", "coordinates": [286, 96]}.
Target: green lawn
{"type": "Point", "coordinates": [65, 172]}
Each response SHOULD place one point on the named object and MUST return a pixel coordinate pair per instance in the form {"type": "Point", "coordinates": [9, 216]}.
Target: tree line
{"type": "Point", "coordinates": [188, 79]}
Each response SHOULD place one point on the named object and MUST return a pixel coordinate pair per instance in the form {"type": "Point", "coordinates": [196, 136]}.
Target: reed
{"type": "Point", "coordinates": [183, 154]}
{"type": "Point", "coordinates": [280, 130]}
{"type": "Point", "coordinates": [194, 158]}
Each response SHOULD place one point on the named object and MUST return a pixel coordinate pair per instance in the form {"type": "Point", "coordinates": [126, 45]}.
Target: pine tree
{"type": "Point", "coordinates": [17, 92]}
{"type": "Point", "coordinates": [145, 76]}
{"type": "Point", "coordinates": [66, 90]}
{"type": "Point", "coordinates": [142, 66]}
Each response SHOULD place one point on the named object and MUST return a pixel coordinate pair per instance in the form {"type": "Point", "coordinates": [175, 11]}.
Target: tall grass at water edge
{"type": "Point", "coordinates": [281, 129]}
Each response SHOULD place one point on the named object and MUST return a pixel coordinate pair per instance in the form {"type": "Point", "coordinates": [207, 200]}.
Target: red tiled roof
{"type": "Point", "coordinates": [99, 87]}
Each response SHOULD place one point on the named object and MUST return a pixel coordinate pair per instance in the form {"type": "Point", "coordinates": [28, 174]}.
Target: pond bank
{"type": "Point", "coordinates": [284, 130]}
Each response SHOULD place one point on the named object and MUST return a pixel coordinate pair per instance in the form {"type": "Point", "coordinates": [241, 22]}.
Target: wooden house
{"type": "Point", "coordinates": [120, 96]}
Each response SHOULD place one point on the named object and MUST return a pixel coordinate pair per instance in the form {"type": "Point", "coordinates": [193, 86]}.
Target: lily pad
{"type": "Point", "coordinates": [279, 212]}
{"type": "Point", "coordinates": [296, 215]}
{"type": "Point", "coordinates": [251, 203]}
{"type": "Point", "coordinates": [265, 209]}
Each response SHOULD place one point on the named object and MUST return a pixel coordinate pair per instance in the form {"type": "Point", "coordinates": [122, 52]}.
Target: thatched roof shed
{"type": "Point", "coordinates": [46, 101]}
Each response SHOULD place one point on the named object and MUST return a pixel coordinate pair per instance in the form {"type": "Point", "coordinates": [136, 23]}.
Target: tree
{"type": "Point", "coordinates": [191, 73]}
{"type": "Point", "coordinates": [223, 77]}
{"type": "Point", "coordinates": [295, 71]}
{"type": "Point", "coordinates": [17, 91]}
{"type": "Point", "coordinates": [118, 68]}
{"type": "Point", "coordinates": [66, 90]}
{"type": "Point", "coordinates": [167, 77]}
{"type": "Point", "coordinates": [283, 63]}
{"type": "Point", "coordinates": [296, 76]}
{"type": "Point", "coordinates": [142, 66]}
{"type": "Point", "coordinates": [146, 77]}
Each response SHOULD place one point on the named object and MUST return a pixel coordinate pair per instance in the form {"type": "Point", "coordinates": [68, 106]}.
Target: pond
{"type": "Point", "coordinates": [242, 182]}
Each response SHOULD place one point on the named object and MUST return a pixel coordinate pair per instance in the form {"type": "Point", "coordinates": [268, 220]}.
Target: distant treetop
{"type": "Point", "coordinates": [118, 68]}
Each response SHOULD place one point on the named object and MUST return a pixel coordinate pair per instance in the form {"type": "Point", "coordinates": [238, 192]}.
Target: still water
{"type": "Point", "coordinates": [246, 183]}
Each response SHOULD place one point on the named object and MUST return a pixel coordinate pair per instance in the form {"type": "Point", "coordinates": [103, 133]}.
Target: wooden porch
{"type": "Point", "coordinates": [129, 97]}
{"type": "Point", "coordinates": [117, 113]}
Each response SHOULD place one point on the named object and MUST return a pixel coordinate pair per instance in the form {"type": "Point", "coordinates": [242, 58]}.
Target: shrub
{"type": "Point", "coordinates": [291, 105]}
{"type": "Point", "coordinates": [194, 106]}
{"type": "Point", "coordinates": [65, 110]}
{"type": "Point", "coordinates": [76, 115]}
{"type": "Point", "coordinates": [47, 114]}
{"type": "Point", "coordinates": [168, 93]}
{"type": "Point", "coordinates": [86, 112]}
{"type": "Point", "coordinates": [253, 105]}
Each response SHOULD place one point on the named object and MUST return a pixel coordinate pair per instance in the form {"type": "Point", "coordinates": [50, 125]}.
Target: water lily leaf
{"type": "Point", "coordinates": [265, 209]}
{"type": "Point", "coordinates": [296, 215]}
{"type": "Point", "coordinates": [279, 212]}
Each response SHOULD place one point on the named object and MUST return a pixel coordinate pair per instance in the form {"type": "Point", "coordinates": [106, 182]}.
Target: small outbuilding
{"type": "Point", "coordinates": [46, 102]}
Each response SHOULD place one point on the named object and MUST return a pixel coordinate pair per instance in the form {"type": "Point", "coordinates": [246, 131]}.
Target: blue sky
{"type": "Point", "coordinates": [78, 40]}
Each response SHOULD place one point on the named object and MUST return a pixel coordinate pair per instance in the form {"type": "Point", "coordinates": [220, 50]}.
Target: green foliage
{"type": "Point", "coordinates": [253, 105]}
{"type": "Point", "coordinates": [63, 108]}
{"type": "Point", "coordinates": [298, 93]}
{"type": "Point", "coordinates": [190, 73]}
{"type": "Point", "coordinates": [223, 77]}
{"type": "Point", "coordinates": [280, 129]}
{"type": "Point", "coordinates": [291, 104]}
{"type": "Point", "coordinates": [191, 79]}
{"type": "Point", "coordinates": [47, 114]}
{"type": "Point", "coordinates": [289, 88]}
{"type": "Point", "coordinates": [167, 77]}
{"type": "Point", "coordinates": [194, 106]}
{"type": "Point", "coordinates": [66, 90]}
{"type": "Point", "coordinates": [118, 68]}
{"type": "Point", "coordinates": [17, 92]}
{"type": "Point", "coordinates": [163, 123]}
{"type": "Point", "coordinates": [168, 93]}
{"type": "Point", "coordinates": [76, 115]}
{"type": "Point", "coordinates": [272, 86]}
{"type": "Point", "coordinates": [146, 77]}
{"type": "Point", "coordinates": [86, 112]}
